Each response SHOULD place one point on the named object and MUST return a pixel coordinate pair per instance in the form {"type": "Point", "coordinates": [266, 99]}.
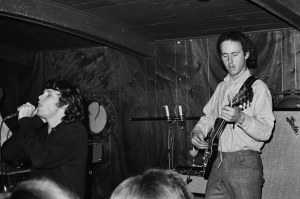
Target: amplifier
{"type": "Point", "coordinates": [193, 177]}
{"type": "Point", "coordinates": [281, 158]}
{"type": "Point", "coordinates": [95, 152]}
{"type": "Point", "coordinates": [11, 175]}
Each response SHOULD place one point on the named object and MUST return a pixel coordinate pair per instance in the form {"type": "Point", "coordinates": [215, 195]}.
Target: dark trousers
{"type": "Point", "coordinates": [239, 176]}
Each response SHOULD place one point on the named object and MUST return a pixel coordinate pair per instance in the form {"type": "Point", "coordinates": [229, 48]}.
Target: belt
{"type": "Point", "coordinates": [238, 153]}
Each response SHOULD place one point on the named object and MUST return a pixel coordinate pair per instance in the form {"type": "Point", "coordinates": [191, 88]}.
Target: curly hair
{"type": "Point", "coordinates": [153, 184]}
{"type": "Point", "coordinates": [246, 43]}
{"type": "Point", "coordinates": [71, 96]}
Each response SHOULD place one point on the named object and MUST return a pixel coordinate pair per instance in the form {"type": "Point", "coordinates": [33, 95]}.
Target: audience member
{"type": "Point", "coordinates": [153, 184]}
{"type": "Point", "coordinates": [42, 188]}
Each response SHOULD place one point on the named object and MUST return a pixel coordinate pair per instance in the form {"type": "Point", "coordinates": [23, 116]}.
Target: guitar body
{"type": "Point", "coordinates": [211, 152]}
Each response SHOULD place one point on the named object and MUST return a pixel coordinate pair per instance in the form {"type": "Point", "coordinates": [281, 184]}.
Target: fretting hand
{"type": "Point", "coordinates": [233, 114]}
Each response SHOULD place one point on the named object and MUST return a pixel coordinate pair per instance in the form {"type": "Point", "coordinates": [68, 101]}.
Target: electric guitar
{"type": "Point", "coordinates": [242, 99]}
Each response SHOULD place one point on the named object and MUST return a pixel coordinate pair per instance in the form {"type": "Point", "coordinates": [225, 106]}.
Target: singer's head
{"type": "Point", "coordinates": [69, 99]}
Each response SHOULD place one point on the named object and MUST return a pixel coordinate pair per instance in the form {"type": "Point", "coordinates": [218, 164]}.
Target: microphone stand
{"type": "Point", "coordinates": [171, 121]}
{"type": "Point", "coordinates": [163, 118]}
{"type": "Point", "coordinates": [2, 163]}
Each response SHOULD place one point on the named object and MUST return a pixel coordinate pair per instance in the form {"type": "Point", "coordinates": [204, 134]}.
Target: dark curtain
{"type": "Point", "coordinates": [20, 84]}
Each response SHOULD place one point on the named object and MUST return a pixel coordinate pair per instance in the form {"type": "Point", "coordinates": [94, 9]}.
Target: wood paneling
{"type": "Point", "coordinates": [288, 57]}
{"type": "Point", "coordinates": [181, 143]}
{"type": "Point", "coordinates": [151, 111]}
{"type": "Point", "coordinates": [198, 76]}
{"type": "Point", "coordinates": [270, 58]}
{"type": "Point", "coordinates": [133, 97]}
{"type": "Point", "coordinates": [166, 95]}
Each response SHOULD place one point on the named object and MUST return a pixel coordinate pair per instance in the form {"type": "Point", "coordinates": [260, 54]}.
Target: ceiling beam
{"type": "Point", "coordinates": [282, 9]}
{"type": "Point", "coordinates": [77, 23]}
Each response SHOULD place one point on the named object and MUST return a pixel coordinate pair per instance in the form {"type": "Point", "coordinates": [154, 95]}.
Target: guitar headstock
{"type": "Point", "coordinates": [243, 98]}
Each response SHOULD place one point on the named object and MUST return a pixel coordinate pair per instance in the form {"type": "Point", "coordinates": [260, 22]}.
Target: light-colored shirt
{"type": "Point", "coordinates": [259, 119]}
{"type": "Point", "coordinates": [5, 131]}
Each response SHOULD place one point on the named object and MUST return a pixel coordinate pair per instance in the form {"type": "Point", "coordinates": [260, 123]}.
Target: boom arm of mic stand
{"type": "Point", "coordinates": [147, 118]}
{"type": "Point", "coordinates": [181, 119]}
{"type": "Point", "coordinates": [163, 118]}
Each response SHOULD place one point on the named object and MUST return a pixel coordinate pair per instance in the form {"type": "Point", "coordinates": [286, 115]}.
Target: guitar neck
{"type": "Point", "coordinates": [219, 127]}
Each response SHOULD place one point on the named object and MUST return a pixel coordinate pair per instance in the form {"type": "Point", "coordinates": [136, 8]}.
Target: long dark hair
{"type": "Point", "coordinates": [71, 96]}
{"type": "Point", "coordinates": [246, 43]}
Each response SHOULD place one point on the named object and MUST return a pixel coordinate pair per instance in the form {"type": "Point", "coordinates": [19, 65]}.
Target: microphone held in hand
{"type": "Point", "coordinates": [11, 116]}
{"type": "Point", "coordinates": [26, 110]}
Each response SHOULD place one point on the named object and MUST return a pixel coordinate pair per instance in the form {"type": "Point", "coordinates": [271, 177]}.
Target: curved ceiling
{"type": "Point", "coordinates": [133, 25]}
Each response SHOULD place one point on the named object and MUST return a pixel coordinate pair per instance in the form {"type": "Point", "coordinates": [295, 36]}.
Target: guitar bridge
{"type": "Point", "coordinates": [291, 121]}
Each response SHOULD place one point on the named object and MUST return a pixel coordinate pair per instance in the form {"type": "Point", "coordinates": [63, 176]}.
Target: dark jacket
{"type": "Point", "coordinates": [60, 155]}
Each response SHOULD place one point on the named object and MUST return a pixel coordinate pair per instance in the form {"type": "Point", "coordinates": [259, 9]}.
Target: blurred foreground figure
{"type": "Point", "coordinates": [153, 184]}
{"type": "Point", "coordinates": [40, 189]}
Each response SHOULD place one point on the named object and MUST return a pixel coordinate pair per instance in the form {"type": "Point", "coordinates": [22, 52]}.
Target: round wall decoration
{"type": "Point", "coordinates": [101, 116]}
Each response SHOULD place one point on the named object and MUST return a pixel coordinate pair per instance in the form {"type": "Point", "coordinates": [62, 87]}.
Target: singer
{"type": "Point", "coordinates": [53, 137]}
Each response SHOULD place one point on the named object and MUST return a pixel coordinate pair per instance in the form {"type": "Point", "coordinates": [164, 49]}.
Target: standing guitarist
{"type": "Point", "coordinates": [237, 172]}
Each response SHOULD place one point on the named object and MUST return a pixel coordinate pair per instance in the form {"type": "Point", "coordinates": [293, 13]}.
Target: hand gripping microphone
{"type": "Point", "coordinates": [11, 116]}
{"type": "Point", "coordinates": [17, 113]}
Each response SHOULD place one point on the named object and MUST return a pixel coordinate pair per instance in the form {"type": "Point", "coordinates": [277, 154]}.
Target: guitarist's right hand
{"type": "Point", "coordinates": [198, 139]}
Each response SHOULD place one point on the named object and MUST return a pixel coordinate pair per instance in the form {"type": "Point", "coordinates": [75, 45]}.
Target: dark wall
{"type": "Point", "coordinates": [20, 80]}
{"type": "Point", "coordinates": [183, 72]}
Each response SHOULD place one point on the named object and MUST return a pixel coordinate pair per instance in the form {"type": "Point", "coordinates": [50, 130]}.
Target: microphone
{"type": "Point", "coordinates": [167, 112]}
{"type": "Point", "coordinates": [11, 116]}
{"type": "Point", "coordinates": [181, 121]}
{"type": "Point", "coordinates": [17, 114]}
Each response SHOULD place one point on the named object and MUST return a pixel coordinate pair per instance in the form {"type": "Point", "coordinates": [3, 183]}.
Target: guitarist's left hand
{"type": "Point", "coordinates": [233, 114]}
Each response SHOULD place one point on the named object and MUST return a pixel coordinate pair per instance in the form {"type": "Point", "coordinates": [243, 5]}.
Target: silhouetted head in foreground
{"type": "Point", "coordinates": [153, 184]}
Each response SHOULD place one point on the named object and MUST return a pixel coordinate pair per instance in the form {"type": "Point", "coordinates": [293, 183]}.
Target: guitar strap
{"type": "Point", "coordinates": [248, 83]}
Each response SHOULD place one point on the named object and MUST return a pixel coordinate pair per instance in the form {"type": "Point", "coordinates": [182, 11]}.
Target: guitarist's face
{"type": "Point", "coordinates": [234, 58]}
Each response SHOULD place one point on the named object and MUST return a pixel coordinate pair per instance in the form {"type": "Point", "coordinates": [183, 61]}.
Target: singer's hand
{"type": "Point", "coordinates": [26, 110]}
{"type": "Point", "coordinates": [198, 139]}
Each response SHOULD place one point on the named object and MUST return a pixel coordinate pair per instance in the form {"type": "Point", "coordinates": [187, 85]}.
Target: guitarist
{"type": "Point", "coordinates": [237, 172]}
